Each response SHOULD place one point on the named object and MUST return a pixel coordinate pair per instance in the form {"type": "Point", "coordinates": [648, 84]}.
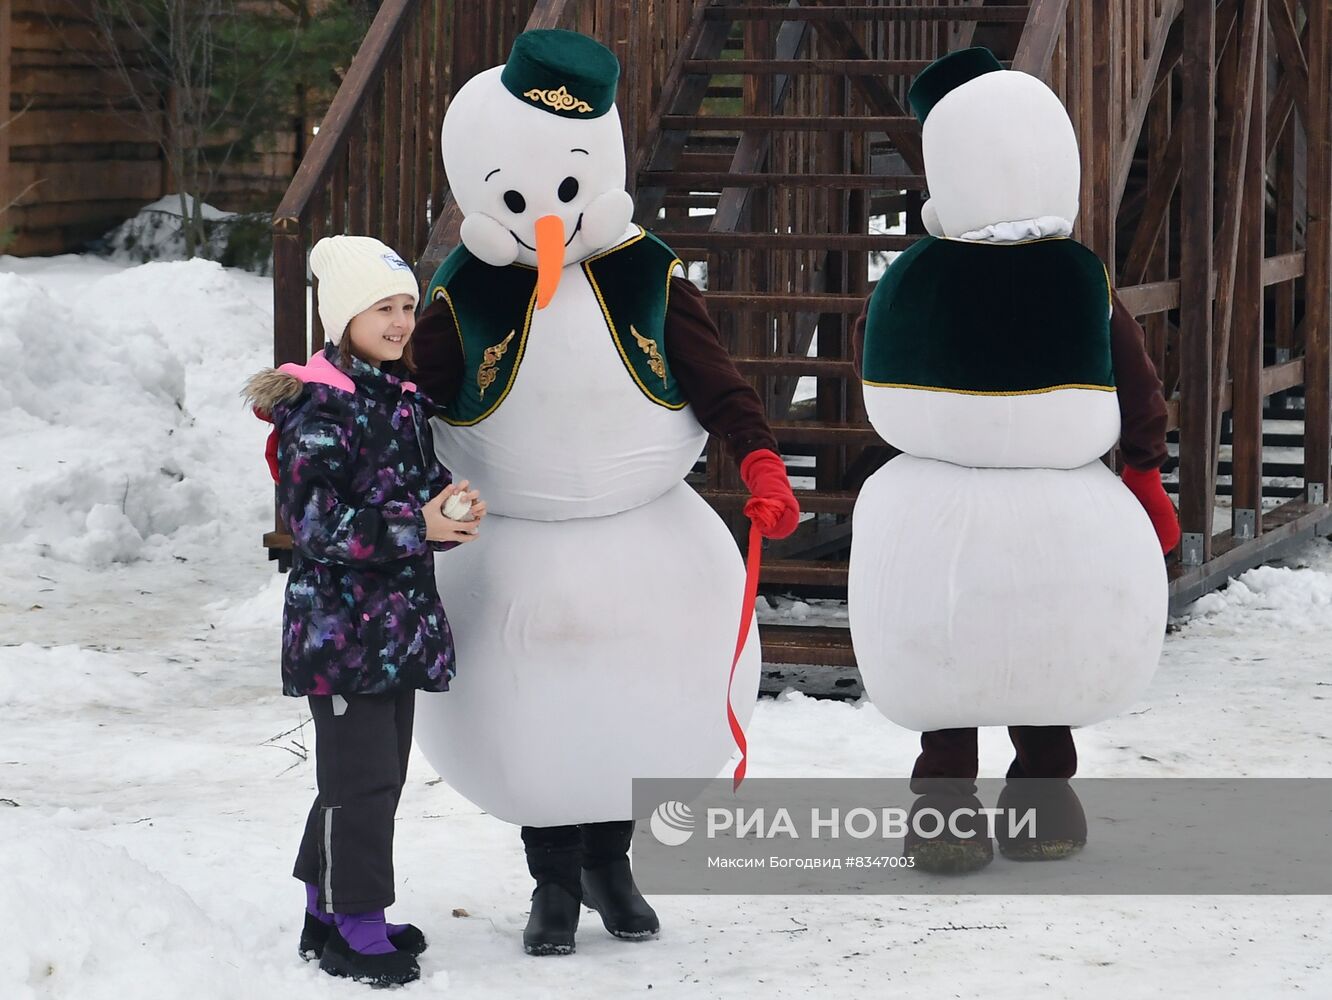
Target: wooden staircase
{"type": "Point", "coordinates": [771, 145]}
{"type": "Point", "coordinates": [806, 103]}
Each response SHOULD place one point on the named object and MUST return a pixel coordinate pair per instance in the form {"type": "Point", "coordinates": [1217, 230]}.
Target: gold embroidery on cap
{"type": "Point", "coordinates": [649, 347]}
{"type": "Point", "coordinates": [560, 100]}
{"type": "Point", "coordinates": [490, 359]}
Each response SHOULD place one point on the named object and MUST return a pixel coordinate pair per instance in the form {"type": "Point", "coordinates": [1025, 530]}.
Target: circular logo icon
{"type": "Point", "coordinates": [672, 823]}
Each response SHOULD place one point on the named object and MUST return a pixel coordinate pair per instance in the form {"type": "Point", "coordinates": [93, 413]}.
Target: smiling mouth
{"type": "Point", "coordinates": [577, 226]}
{"type": "Point", "coordinates": [394, 340]}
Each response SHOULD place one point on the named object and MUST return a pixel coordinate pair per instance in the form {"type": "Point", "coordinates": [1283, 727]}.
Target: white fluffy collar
{"type": "Point", "coordinates": [1020, 231]}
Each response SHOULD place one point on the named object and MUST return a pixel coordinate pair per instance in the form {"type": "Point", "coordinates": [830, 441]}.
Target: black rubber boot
{"type": "Point", "coordinates": [314, 935]}
{"type": "Point", "coordinates": [391, 969]}
{"type": "Point", "coordinates": [608, 882]}
{"type": "Point", "coordinates": [553, 922]}
{"type": "Point", "coordinates": [554, 858]}
{"type": "Point", "coordinates": [1060, 827]}
{"type": "Point", "coordinates": [610, 890]}
{"type": "Point", "coordinates": [943, 852]}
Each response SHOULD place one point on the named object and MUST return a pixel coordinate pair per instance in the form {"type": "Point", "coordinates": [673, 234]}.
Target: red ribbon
{"type": "Point", "coordinates": [753, 562]}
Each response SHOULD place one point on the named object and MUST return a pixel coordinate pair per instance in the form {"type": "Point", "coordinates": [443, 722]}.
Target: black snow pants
{"type": "Point", "coordinates": [362, 743]}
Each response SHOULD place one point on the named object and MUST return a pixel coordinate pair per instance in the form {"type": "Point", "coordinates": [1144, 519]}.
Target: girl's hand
{"type": "Point", "coordinates": [439, 527]}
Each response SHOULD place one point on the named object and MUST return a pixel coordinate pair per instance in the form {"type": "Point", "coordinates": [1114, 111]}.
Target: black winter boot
{"type": "Point", "coordinates": [314, 935]}
{"type": "Point", "coordinates": [941, 851]}
{"type": "Point", "coordinates": [554, 859]}
{"type": "Point", "coordinates": [1060, 823]}
{"type": "Point", "coordinates": [608, 882]}
{"type": "Point", "coordinates": [393, 968]}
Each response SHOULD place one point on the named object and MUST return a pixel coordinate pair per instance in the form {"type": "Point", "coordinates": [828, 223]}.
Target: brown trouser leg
{"type": "Point", "coordinates": [1043, 752]}
{"type": "Point", "coordinates": [948, 762]}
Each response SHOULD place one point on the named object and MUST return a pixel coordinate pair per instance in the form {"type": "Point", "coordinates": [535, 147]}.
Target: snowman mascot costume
{"type": "Point", "coordinates": [578, 376]}
{"type": "Point", "coordinates": [1000, 574]}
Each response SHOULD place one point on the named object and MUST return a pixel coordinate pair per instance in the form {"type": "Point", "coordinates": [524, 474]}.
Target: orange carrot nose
{"type": "Point", "coordinates": [550, 257]}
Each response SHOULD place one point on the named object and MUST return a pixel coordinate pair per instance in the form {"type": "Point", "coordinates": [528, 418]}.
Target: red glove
{"type": "Point", "coordinates": [773, 507]}
{"type": "Point", "coordinates": [1145, 484]}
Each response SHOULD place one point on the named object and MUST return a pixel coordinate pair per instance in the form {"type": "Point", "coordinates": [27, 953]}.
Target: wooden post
{"type": "Point", "coordinates": [1285, 238]}
{"type": "Point", "coordinates": [6, 71]}
{"type": "Point", "coordinates": [1246, 339]}
{"type": "Point", "coordinates": [1318, 276]}
{"type": "Point", "coordinates": [1157, 326]}
{"type": "Point", "coordinates": [1197, 473]}
{"type": "Point", "coordinates": [1104, 115]}
{"type": "Point", "coordinates": [288, 294]}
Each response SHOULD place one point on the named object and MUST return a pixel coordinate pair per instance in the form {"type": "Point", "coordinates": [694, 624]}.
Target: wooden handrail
{"type": "Point", "coordinates": [1040, 34]}
{"type": "Point", "coordinates": [366, 69]}
{"type": "Point", "coordinates": [550, 14]}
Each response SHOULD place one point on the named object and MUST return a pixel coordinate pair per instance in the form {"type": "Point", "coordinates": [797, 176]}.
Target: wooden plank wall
{"type": "Point", "coordinates": [6, 34]}
{"type": "Point", "coordinates": [76, 139]}
{"type": "Point", "coordinates": [90, 156]}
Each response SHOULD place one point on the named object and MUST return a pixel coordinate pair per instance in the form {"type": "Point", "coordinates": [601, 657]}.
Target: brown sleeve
{"type": "Point", "coordinates": [1142, 408]}
{"type": "Point", "coordinates": [437, 352]}
{"type": "Point", "coordinates": [724, 403]}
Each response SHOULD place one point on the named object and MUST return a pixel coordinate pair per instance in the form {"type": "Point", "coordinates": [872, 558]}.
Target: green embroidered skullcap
{"type": "Point", "coordinates": [946, 74]}
{"type": "Point", "coordinates": [562, 72]}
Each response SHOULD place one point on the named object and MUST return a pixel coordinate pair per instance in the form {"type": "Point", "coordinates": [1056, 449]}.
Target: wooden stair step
{"type": "Point", "coordinates": [819, 67]}
{"type": "Point", "coordinates": [705, 162]}
{"type": "Point", "coordinates": [811, 501]}
{"type": "Point", "coordinates": [789, 123]}
{"type": "Point", "coordinates": [825, 432]}
{"type": "Point", "coordinates": [277, 540]}
{"type": "Point", "coordinates": [799, 301]}
{"type": "Point", "coordinates": [793, 367]}
{"type": "Point", "coordinates": [826, 645]}
{"type": "Point", "coordinates": [807, 572]}
{"type": "Point", "coordinates": [717, 180]}
{"type": "Point", "coordinates": [710, 241]}
{"type": "Point", "coordinates": [897, 12]}
{"type": "Point", "coordinates": [691, 200]}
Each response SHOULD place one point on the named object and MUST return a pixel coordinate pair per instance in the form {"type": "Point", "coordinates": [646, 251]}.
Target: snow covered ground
{"type": "Point", "coordinates": [153, 781]}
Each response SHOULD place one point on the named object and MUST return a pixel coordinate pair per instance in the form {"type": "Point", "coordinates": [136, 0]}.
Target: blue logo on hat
{"type": "Point", "coordinates": [395, 262]}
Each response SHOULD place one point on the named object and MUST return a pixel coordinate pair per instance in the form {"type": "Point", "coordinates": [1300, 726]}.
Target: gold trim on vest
{"type": "Point", "coordinates": [490, 359]}
{"type": "Point", "coordinates": [649, 347]}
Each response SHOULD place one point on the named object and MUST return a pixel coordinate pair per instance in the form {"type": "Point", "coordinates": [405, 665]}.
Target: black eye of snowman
{"type": "Point", "coordinates": [516, 202]}
{"type": "Point", "coordinates": [568, 189]}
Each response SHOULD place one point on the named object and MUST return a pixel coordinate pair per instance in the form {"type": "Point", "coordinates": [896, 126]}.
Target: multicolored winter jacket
{"type": "Point", "coordinates": [355, 464]}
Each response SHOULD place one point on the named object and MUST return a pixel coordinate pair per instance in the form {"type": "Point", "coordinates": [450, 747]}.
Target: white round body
{"type": "Point", "coordinates": [1003, 597]}
{"type": "Point", "coordinates": [590, 652]}
{"type": "Point", "coordinates": [1061, 429]}
{"type": "Point", "coordinates": [575, 437]}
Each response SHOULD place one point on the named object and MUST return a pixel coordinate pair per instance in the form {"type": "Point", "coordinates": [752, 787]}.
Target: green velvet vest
{"type": "Point", "coordinates": [991, 319]}
{"type": "Point", "coordinates": [493, 308]}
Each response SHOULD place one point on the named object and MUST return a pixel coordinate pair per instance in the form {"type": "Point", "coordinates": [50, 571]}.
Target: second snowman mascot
{"type": "Point", "coordinates": [1000, 573]}
{"type": "Point", "coordinates": [580, 375]}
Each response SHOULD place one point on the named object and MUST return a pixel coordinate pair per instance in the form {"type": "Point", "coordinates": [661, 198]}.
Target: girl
{"type": "Point", "coordinates": [363, 496]}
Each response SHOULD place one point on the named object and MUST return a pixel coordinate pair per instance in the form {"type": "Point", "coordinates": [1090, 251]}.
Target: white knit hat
{"type": "Point", "coordinates": [354, 273]}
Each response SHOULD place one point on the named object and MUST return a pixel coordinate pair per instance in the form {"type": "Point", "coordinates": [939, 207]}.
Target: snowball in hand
{"type": "Point", "coordinates": [457, 507]}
